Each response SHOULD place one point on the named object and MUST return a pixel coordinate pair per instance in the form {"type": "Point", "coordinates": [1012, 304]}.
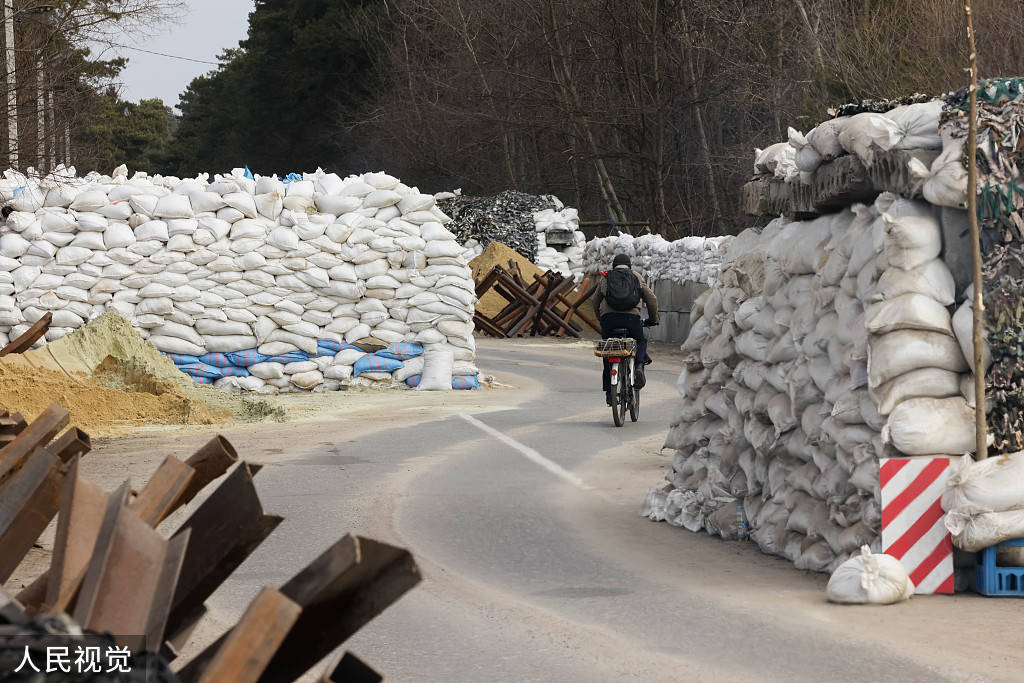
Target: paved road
{"type": "Point", "coordinates": [521, 508]}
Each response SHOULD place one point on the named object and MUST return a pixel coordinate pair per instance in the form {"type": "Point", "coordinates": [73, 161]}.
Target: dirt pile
{"type": "Point", "coordinates": [108, 376]}
{"type": "Point", "coordinates": [497, 254]}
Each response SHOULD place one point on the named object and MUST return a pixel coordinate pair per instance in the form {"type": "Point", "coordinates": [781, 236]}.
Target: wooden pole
{"type": "Point", "coordinates": [980, 428]}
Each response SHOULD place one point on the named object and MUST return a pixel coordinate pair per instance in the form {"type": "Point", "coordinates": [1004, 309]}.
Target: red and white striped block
{"type": "Point", "coordinates": [912, 520]}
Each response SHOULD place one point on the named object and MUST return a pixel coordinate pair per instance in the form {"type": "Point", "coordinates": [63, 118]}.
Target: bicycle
{"type": "Point", "coordinates": [620, 352]}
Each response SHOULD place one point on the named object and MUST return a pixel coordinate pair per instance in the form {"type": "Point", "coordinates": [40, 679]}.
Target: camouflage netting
{"type": "Point", "coordinates": [1000, 156]}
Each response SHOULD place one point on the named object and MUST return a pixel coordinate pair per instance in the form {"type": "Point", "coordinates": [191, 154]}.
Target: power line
{"type": "Point", "coordinates": [164, 54]}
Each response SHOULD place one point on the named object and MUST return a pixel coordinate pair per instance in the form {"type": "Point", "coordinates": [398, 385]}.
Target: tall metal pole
{"type": "Point", "coordinates": [980, 426]}
{"type": "Point", "coordinates": [12, 84]}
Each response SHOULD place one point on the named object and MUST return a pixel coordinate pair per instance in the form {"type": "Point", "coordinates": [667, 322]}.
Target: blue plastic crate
{"type": "Point", "coordinates": [992, 580]}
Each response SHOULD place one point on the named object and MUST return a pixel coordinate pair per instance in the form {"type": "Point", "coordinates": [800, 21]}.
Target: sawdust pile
{"type": "Point", "coordinates": [107, 376]}
{"type": "Point", "coordinates": [497, 254]}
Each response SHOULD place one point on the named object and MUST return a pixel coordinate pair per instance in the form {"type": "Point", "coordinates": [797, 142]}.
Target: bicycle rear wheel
{"type": "Point", "coordinates": [634, 404]}
{"type": "Point", "coordinates": [622, 394]}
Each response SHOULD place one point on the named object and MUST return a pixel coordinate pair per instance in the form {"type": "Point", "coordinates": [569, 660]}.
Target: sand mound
{"type": "Point", "coordinates": [105, 374]}
{"type": "Point", "coordinates": [497, 254]}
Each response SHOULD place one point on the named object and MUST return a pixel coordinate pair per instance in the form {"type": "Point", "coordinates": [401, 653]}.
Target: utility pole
{"type": "Point", "coordinates": [12, 85]}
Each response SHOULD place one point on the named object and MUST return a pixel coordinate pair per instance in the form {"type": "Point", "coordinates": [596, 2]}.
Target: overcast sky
{"type": "Point", "coordinates": [208, 28]}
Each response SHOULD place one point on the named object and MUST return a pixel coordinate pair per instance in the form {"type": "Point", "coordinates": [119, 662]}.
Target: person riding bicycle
{"type": "Point", "coordinates": [617, 301]}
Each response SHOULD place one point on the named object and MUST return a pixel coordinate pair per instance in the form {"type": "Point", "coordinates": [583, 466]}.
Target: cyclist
{"type": "Point", "coordinates": [617, 300]}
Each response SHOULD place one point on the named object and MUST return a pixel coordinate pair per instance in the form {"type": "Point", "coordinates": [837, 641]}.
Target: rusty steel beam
{"type": "Point", "coordinates": [252, 642]}
{"type": "Point", "coordinates": [42, 430]}
{"type": "Point", "coordinates": [174, 643]}
{"type": "Point", "coordinates": [164, 592]}
{"type": "Point", "coordinates": [225, 529]}
{"type": "Point", "coordinates": [350, 669]}
{"type": "Point", "coordinates": [82, 508]}
{"type": "Point", "coordinates": [71, 443]}
{"type": "Point", "coordinates": [209, 462]}
{"type": "Point", "coordinates": [29, 501]}
{"type": "Point", "coordinates": [89, 591]}
{"type": "Point", "coordinates": [162, 493]}
{"type": "Point", "coordinates": [10, 427]}
{"type": "Point", "coordinates": [122, 583]}
{"type": "Point", "coordinates": [340, 592]}
{"type": "Point", "coordinates": [29, 337]}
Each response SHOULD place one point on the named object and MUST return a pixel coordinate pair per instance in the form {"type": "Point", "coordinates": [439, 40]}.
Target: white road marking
{"type": "Point", "coordinates": [528, 452]}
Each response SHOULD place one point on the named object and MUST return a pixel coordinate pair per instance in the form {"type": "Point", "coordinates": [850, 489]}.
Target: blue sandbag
{"type": "Point", "coordinates": [182, 358]}
{"type": "Point", "coordinates": [246, 358]}
{"type": "Point", "coordinates": [458, 381]}
{"type": "Point", "coordinates": [375, 363]}
{"type": "Point", "coordinates": [401, 351]}
{"type": "Point", "coordinates": [217, 360]}
{"type": "Point", "coordinates": [290, 357]}
{"type": "Point", "coordinates": [201, 370]}
{"type": "Point", "coordinates": [232, 371]}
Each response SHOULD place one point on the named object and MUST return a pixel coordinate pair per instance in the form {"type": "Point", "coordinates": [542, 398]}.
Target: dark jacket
{"type": "Point", "coordinates": [646, 296]}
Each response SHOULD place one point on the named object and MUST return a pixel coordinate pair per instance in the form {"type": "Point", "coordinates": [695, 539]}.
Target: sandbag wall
{"type": "Point", "coordinates": [827, 345]}
{"type": "Point", "coordinates": [285, 284]}
{"type": "Point", "coordinates": [690, 259]}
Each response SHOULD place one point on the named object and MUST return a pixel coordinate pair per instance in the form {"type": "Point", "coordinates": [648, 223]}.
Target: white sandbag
{"type": "Point", "coordinates": [176, 345]}
{"type": "Point", "coordinates": [867, 133]}
{"type": "Point", "coordinates": [267, 371]}
{"type": "Point", "coordinates": [152, 230]}
{"type": "Point", "coordinates": [307, 380]}
{"type": "Point", "coordinates": [870, 578]}
{"type": "Point", "coordinates": [307, 344]}
{"type": "Point", "coordinates": [945, 183]}
{"type": "Point", "coordinates": [437, 371]}
{"type": "Point", "coordinates": [932, 279]}
{"type": "Point", "coordinates": [379, 199]}
{"type": "Point", "coordinates": [963, 329]}
{"type": "Point", "coordinates": [228, 344]}
{"type": "Point", "coordinates": [921, 383]}
{"type": "Point", "coordinates": [926, 426]}
{"type": "Point", "coordinates": [173, 206]}
{"type": "Point", "coordinates": [73, 256]}
{"type": "Point", "coordinates": [908, 312]}
{"type": "Point", "coordinates": [118, 234]}
{"type": "Point", "coordinates": [242, 202]}
{"type": "Point", "coordinates": [825, 138]}
{"type": "Point", "coordinates": [913, 234]}
{"type": "Point", "coordinates": [995, 484]}
{"type": "Point", "coordinates": [919, 124]}
{"type": "Point", "coordinates": [92, 200]}
{"type": "Point", "coordinates": [896, 353]}
{"type": "Point", "coordinates": [973, 533]}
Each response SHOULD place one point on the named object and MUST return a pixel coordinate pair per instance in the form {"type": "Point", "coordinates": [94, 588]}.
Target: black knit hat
{"type": "Point", "coordinates": [621, 260]}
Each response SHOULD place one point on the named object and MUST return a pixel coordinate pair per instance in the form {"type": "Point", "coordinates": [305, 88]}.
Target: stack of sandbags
{"type": "Point", "coordinates": [560, 241]}
{"type": "Point", "coordinates": [915, 361]}
{"type": "Point", "coordinates": [865, 134]}
{"type": "Point", "coordinates": [286, 274]}
{"type": "Point", "coordinates": [984, 501]}
{"type": "Point", "coordinates": [779, 410]}
{"type": "Point", "coordinates": [690, 259]}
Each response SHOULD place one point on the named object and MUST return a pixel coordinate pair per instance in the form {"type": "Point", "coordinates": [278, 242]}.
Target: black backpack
{"type": "Point", "coordinates": [623, 292]}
